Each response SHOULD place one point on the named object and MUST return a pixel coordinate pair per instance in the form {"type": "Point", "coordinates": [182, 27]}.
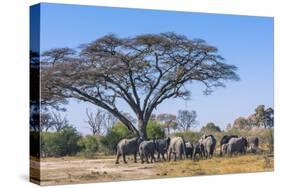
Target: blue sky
{"type": "Point", "coordinates": [244, 41]}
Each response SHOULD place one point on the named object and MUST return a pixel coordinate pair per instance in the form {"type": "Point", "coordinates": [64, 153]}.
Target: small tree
{"type": "Point", "coordinates": [89, 145]}
{"type": "Point", "coordinates": [96, 122]}
{"type": "Point", "coordinates": [210, 128]}
{"type": "Point", "coordinates": [241, 123]}
{"type": "Point", "coordinates": [168, 121]}
{"type": "Point", "coordinates": [154, 130]}
{"type": "Point", "coordinates": [186, 119]}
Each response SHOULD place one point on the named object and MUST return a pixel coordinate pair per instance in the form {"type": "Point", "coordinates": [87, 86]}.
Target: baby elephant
{"type": "Point", "coordinates": [188, 150]}
{"type": "Point", "coordinates": [198, 149]}
{"type": "Point", "coordinates": [147, 149]}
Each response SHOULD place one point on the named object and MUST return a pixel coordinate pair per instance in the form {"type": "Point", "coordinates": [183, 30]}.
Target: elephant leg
{"type": "Point", "coordinates": [135, 157]}
{"type": "Point", "coordinates": [163, 156]}
{"type": "Point", "coordinates": [158, 156]}
{"type": "Point", "coordinates": [151, 158]}
{"type": "Point", "coordinates": [146, 158]}
{"type": "Point", "coordinates": [169, 156]}
{"type": "Point", "coordinates": [124, 158]}
{"type": "Point", "coordinates": [175, 156]}
{"type": "Point", "coordinates": [117, 158]}
{"type": "Point", "coordinates": [141, 157]}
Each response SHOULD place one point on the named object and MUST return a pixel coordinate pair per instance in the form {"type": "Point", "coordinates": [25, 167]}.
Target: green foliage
{"type": "Point", "coordinates": [89, 145]}
{"type": "Point", "coordinates": [56, 144]}
{"type": "Point", "coordinates": [154, 130]}
{"type": "Point", "coordinates": [114, 135]}
{"type": "Point", "coordinates": [190, 136]}
{"type": "Point", "coordinates": [210, 128]}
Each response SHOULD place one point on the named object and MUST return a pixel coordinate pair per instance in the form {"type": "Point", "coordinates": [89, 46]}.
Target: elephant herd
{"type": "Point", "coordinates": [177, 148]}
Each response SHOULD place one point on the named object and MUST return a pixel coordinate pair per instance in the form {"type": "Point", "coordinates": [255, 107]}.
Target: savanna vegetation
{"type": "Point", "coordinates": [142, 72]}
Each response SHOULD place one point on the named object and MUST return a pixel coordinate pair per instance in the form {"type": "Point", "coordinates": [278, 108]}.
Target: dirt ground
{"type": "Point", "coordinates": [71, 170]}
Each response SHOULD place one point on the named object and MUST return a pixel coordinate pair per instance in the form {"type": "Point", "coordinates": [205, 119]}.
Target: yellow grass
{"type": "Point", "coordinates": [217, 165]}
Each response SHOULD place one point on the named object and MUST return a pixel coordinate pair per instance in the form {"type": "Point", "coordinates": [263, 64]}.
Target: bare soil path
{"type": "Point", "coordinates": [78, 170]}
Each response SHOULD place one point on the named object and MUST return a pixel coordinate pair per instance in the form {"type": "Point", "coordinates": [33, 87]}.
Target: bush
{"type": "Point", "coordinates": [189, 136]}
{"type": "Point", "coordinates": [89, 145]}
{"type": "Point", "coordinates": [57, 144]}
{"type": "Point", "coordinates": [154, 130]}
{"type": "Point", "coordinates": [114, 135]}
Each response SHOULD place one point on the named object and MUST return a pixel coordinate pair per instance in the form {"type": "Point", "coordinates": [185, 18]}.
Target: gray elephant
{"type": "Point", "coordinates": [237, 145]}
{"type": "Point", "coordinates": [147, 149]}
{"type": "Point", "coordinates": [223, 149]}
{"type": "Point", "coordinates": [162, 147]}
{"type": "Point", "coordinates": [128, 147]}
{"type": "Point", "coordinates": [198, 150]}
{"type": "Point", "coordinates": [253, 141]}
{"type": "Point", "coordinates": [188, 150]}
{"type": "Point", "coordinates": [176, 148]}
{"type": "Point", "coordinates": [209, 144]}
{"type": "Point", "coordinates": [224, 140]}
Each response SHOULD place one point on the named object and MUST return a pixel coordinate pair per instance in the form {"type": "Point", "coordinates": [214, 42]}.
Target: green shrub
{"type": "Point", "coordinates": [57, 144]}
{"type": "Point", "coordinates": [89, 145]}
{"type": "Point", "coordinates": [154, 130]}
{"type": "Point", "coordinates": [190, 136]}
{"type": "Point", "coordinates": [114, 135]}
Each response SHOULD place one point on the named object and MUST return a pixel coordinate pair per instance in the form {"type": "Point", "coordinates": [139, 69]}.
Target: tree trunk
{"type": "Point", "coordinates": [142, 129]}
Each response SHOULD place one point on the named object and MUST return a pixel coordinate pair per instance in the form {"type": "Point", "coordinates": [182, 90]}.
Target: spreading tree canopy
{"type": "Point", "coordinates": [142, 71]}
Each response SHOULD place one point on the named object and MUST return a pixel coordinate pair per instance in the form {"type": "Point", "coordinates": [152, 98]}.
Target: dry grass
{"type": "Point", "coordinates": [216, 165]}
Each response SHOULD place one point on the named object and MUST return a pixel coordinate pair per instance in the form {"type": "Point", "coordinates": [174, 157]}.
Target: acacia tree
{"type": "Point", "coordinates": [186, 119]}
{"type": "Point", "coordinates": [262, 117]}
{"type": "Point", "coordinates": [168, 121]}
{"type": "Point", "coordinates": [142, 71]}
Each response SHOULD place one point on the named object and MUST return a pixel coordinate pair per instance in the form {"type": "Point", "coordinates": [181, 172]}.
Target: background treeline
{"type": "Point", "coordinates": [58, 138]}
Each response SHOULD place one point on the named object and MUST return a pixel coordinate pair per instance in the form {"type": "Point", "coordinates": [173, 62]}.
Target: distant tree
{"type": "Point", "coordinates": [168, 121]}
{"type": "Point", "coordinates": [46, 121]}
{"type": "Point", "coordinates": [241, 123]}
{"type": "Point", "coordinates": [262, 117]}
{"type": "Point", "coordinates": [228, 126]}
{"type": "Point", "coordinates": [110, 120]}
{"type": "Point", "coordinates": [186, 119]}
{"type": "Point", "coordinates": [96, 122]}
{"type": "Point", "coordinates": [58, 122]}
{"type": "Point", "coordinates": [210, 127]}
{"type": "Point", "coordinates": [142, 71]}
